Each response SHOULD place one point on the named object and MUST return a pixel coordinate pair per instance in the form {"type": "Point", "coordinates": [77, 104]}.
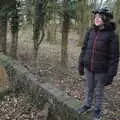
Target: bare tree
{"type": "Point", "coordinates": [3, 26]}
{"type": "Point", "coordinates": [38, 25]}
{"type": "Point", "coordinates": [65, 30]}
{"type": "Point", "coordinates": [14, 29]}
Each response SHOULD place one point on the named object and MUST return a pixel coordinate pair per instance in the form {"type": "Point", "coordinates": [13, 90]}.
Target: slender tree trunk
{"type": "Point", "coordinates": [14, 45]}
{"type": "Point", "coordinates": [54, 29]}
{"type": "Point", "coordinates": [84, 17]}
{"type": "Point", "coordinates": [51, 33]}
{"type": "Point", "coordinates": [117, 17]}
{"type": "Point", "coordinates": [3, 34]}
{"type": "Point", "coordinates": [65, 30]}
{"type": "Point", "coordinates": [38, 26]}
{"type": "Point", "coordinates": [55, 32]}
{"type": "Point", "coordinates": [48, 34]}
{"type": "Point", "coordinates": [14, 31]}
{"type": "Point", "coordinates": [36, 30]}
{"type": "Point", "coordinates": [81, 33]}
{"type": "Point", "coordinates": [35, 53]}
{"type": "Point", "coordinates": [81, 19]}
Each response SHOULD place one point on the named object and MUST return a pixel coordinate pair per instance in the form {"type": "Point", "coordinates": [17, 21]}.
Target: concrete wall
{"type": "Point", "coordinates": [61, 106]}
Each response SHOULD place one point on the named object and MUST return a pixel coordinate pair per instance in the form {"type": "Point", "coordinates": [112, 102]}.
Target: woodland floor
{"type": "Point", "coordinates": [19, 107]}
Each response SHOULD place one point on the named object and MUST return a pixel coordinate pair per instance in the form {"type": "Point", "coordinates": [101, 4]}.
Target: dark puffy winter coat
{"type": "Point", "coordinates": [100, 50]}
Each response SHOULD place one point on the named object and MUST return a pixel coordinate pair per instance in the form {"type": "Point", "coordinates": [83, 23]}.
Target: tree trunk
{"type": "Point", "coordinates": [3, 34]}
{"type": "Point", "coordinates": [14, 30]}
{"type": "Point", "coordinates": [117, 17]}
{"type": "Point", "coordinates": [81, 33]}
{"type": "Point", "coordinates": [35, 55]}
{"type": "Point", "coordinates": [84, 18]}
{"type": "Point", "coordinates": [81, 18]}
{"type": "Point", "coordinates": [38, 26]}
{"type": "Point", "coordinates": [51, 33]}
{"type": "Point", "coordinates": [48, 34]}
{"type": "Point", "coordinates": [55, 32]}
{"type": "Point", "coordinates": [65, 30]}
{"type": "Point", "coordinates": [36, 34]}
{"type": "Point", "coordinates": [14, 45]}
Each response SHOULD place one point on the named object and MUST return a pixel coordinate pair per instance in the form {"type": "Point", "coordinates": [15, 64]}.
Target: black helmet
{"type": "Point", "coordinates": [105, 11]}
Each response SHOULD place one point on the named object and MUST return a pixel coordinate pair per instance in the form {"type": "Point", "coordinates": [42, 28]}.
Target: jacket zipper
{"type": "Point", "coordinates": [93, 52]}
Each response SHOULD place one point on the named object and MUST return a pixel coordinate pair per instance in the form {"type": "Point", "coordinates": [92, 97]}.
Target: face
{"type": "Point", "coordinates": [98, 20]}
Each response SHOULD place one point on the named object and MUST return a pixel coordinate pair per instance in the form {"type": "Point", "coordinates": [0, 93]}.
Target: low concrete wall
{"type": "Point", "coordinates": [62, 106]}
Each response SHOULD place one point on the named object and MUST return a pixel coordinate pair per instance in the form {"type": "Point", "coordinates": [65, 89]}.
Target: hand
{"type": "Point", "coordinates": [109, 80]}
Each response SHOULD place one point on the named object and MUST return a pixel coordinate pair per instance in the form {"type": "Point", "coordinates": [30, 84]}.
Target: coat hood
{"type": "Point", "coordinates": [111, 26]}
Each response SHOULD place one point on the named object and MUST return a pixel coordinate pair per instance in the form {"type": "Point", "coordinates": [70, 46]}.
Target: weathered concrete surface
{"type": "Point", "coordinates": [62, 106]}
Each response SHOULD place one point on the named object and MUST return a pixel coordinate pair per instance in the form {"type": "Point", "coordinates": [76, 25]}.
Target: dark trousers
{"type": "Point", "coordinates": [94, 83]}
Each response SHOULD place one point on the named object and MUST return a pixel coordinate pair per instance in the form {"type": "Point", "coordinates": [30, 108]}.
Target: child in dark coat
{"type": "Point", "coordinates": [99, 59]}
